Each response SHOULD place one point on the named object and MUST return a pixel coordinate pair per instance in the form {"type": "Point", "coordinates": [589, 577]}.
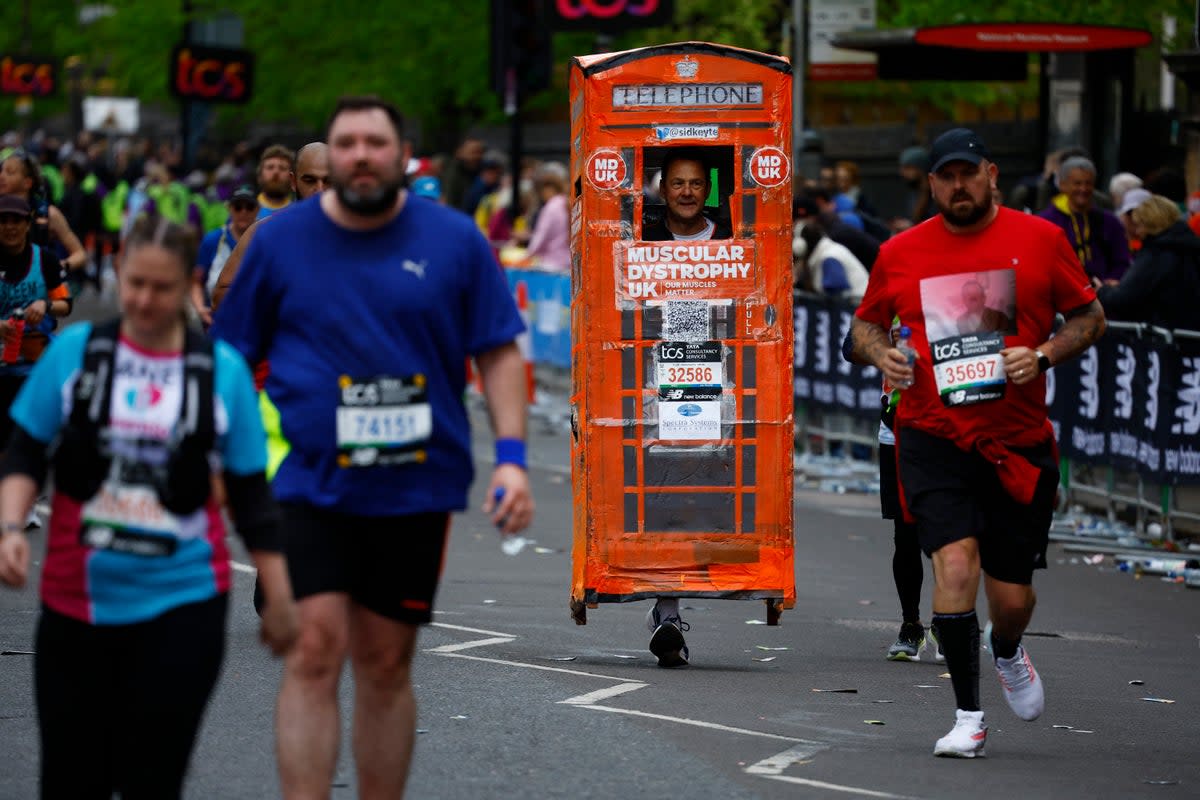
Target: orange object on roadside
{"type": "Point", "coordinates": [682, 400]}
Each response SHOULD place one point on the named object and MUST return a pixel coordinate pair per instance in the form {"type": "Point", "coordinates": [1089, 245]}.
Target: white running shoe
{"type": "Point", "coordinates": [932, 638]}
{"type": "Point", "coordinates": [966, 739]}
{"type": "Point", "coordinates": [1023, 688]}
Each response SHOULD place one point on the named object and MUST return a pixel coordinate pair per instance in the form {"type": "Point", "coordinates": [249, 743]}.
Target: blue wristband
{"type": "Point", "coordinates": [510, 451]}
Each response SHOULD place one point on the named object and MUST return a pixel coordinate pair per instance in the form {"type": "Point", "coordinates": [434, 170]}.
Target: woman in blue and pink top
{"type": "Point", "coordinates": [141, 412]}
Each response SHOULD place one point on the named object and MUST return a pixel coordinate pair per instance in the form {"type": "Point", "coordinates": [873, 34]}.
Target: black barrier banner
{"type": "Point", "coordinates": [1131, 402]}
{"type": "Point", "coordinates": [1179, 412]}
{"type": "Point", "coordinates": [1129, 389]}
{"type": "Point", "coordinates": [1077, 409]}
{"type": "Point", "coordinates": [823, 378]}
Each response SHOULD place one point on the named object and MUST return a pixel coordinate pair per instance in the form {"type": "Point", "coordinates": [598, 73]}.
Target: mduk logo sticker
{"type": "Point", "coordinates": [606, 169]}
{"type": "Point", "coordinates": [770, 166]}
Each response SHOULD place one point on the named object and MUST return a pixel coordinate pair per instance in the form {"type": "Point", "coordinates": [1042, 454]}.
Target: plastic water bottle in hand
{"type": "Point", "coordinates": [12, 345]}
{"type": "Point", "coordinates": [904, 345]}
{"type": "Point", "coordinates": [510, 544]}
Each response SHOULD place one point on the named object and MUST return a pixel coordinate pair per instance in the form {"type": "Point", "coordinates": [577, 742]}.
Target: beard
{"type": "Point", "coordinates": [968, 217]}
{"type": "Point", "coordinates": [277, 192]}
{"type": "Point", "coordinates": [376, 202]}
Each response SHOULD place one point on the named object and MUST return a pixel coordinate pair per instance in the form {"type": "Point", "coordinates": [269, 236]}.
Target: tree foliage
{"type": "Point", "coordinates": [433, 58]}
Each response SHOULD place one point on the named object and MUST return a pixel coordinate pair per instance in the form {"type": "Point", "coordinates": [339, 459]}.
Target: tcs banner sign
{"type": "Point", "coordinates": [607, 16]}
{"type": "Point", "coordinates": [28, 75]}
{"type": "Point", "coordinates": [211, 74]}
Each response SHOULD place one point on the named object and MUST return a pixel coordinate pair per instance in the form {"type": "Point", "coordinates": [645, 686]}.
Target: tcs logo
{"type": "Point", "coordinates": [606, 169]}
{"type": "Point", "coordinates": [215, 74]}
{"type": "Point", "coordinates": [604, 9]}
{"type": "Point", "coordinates": [27, 76]}
{"type": "Point", "coordinates": [770, 166]}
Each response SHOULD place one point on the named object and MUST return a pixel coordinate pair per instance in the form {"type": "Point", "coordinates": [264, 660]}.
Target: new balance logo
{"type": "Point", "coordinates": [1187, 410]}
{"type": "Point", "coordinates": [1089, 385]}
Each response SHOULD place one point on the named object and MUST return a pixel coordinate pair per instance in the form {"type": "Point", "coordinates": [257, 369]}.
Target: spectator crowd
{"type": "Point", "coordinates": [1139, 241]}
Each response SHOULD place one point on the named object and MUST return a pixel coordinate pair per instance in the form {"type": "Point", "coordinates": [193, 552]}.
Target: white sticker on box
{"type": "Point", "coordinates": [689, 364]}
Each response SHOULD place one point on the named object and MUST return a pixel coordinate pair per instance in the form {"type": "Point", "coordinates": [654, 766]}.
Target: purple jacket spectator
{"type": "Point", "coordinates": [1097, 237]}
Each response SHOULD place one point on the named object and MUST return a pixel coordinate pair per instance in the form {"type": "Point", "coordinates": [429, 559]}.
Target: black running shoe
{"type": "Point", "coordinates": [668, 645]}
{"type": "Point", "coordinates": [908, 643]}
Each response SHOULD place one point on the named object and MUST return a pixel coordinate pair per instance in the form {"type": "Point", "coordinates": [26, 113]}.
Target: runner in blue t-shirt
{"type": "Point", "coordinates": [367, 305]}
{"type": "Point", "coordinates": [216, 247]}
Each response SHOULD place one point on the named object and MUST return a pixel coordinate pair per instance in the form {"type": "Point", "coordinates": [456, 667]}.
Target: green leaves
{"type": "Point", "coordinates": [432, 58]}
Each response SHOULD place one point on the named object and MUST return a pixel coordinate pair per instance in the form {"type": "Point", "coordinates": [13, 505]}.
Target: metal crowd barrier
{"type": "Point", "coordinates": [1126, 412]}
{"type": "Point", "coordinates": [1111, 486]}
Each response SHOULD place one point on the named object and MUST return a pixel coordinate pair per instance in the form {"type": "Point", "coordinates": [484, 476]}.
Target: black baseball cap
{"type": "Point", "coordinates": [244, 194]}
{"type": "Point", "coordinates": [13, 204]}
{"type": "Point", "coordinates": [957, 144]}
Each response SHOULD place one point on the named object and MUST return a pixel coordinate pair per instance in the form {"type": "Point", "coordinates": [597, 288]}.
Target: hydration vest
{"type": "Point", "coordinates": [84, 456]}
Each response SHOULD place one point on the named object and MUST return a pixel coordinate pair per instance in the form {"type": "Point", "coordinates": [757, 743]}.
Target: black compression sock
{"type": "Point", "coordinates": [907, 570]}
{"type": "Point", "coordinates": [959, 636]}
{"type": "Point", "coordinates": [1004, 648]}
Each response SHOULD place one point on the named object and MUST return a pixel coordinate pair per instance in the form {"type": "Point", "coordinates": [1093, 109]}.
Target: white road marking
{"type": "Point", "coordinates": [769, 768]}
{"type": "Point", "coordinates": [837, 787]}
{"type": "Point", "coordinates": [454, 648]}
{"type": "Point", "coordinates": [525, 665]}
{"type": "Point", "coordinates": [861, 513]}
{"type": "Point", "coordinates": [699, 723]}
{"type": "Point", "coordinates": [776, 764]}
{"type": "Point", "coordinates": [602, 694]}
{"type": "Point", "coordinates": [447, 626]}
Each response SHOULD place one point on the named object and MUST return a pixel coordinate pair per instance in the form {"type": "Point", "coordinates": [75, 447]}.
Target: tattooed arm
{"type": "Point", "coordinates": [873, 346]}
{"type": "Point", "coordinates": [1083, 328]}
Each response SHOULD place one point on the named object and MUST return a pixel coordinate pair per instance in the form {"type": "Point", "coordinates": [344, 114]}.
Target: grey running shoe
{"type": "Point", "coordinates": [908, 643]}
{"type": "Point", "coordinates": [1023, 687]}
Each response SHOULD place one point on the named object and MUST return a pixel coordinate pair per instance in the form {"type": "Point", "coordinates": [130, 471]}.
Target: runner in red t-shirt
{"type": "Point", "coordinates": [978, 286]}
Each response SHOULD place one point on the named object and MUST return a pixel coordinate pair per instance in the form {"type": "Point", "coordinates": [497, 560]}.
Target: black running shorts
{"type": "Point", "coordinates": [955, 495]}
{"type": "Point", "coordinates": [390, 565]}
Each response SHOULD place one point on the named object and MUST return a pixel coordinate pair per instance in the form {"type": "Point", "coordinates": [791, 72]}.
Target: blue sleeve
{"type": "Point", "coordinates": [833, 276]}
{"type": "Point", "coordinates": [248, 312]}
{"type": "Point", "coordinates": [38, 408]}
{"type": "Point", "coordinates": [208, 249]}
{"type": "Point", "coordinates": [492, 316]}
{"type": "Point", "coordinates": [244, 445]}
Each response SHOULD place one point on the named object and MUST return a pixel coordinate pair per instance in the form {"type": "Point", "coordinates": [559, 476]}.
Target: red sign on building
{"type": "Point", "coordinates": [1032, 37]}
{"type": "Point", "coordinates": [211, 74]}
{"type": "Point", "coordinates": [607, 16]}
{"type": "Point", "coordinates": [28, 75]}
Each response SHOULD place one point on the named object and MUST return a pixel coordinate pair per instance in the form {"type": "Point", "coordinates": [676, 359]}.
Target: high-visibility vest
{"type": "Point", "coordinates": [112, 207]}
{"type": "Point", "coordinates": [54, 183]}
{"type": "Point", "coordinates": [171, 201]}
